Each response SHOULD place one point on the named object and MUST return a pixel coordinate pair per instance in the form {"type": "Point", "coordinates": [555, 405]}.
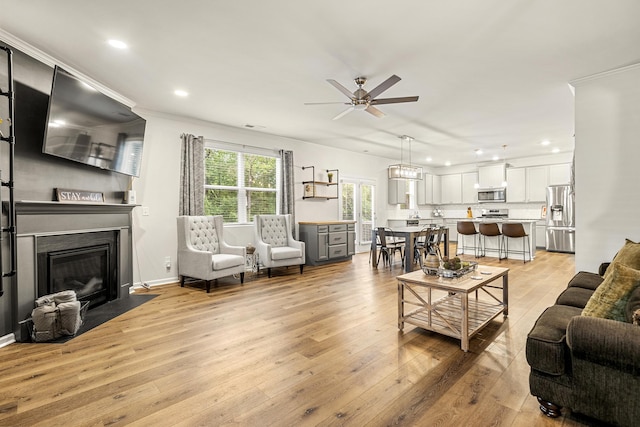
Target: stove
{"type": "Point", "coordinates": [495, 213]}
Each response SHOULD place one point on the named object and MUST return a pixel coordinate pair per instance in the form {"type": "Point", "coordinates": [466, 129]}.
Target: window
{"type": "Point", "coordinates": [239, 185]}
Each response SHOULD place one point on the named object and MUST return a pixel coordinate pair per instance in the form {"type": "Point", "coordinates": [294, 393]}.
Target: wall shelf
{"type": "Point", "coordinates": [321, 189]}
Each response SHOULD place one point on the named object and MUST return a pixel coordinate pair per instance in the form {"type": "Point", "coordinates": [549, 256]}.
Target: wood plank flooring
{"type": "Point", "coordinates": [321, 348]}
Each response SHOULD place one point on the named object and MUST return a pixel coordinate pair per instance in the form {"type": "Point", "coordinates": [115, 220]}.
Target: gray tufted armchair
{"type": "Point", "coordinates": [203, 253]}
{"type": "Point", "coordinates": [275, 244]}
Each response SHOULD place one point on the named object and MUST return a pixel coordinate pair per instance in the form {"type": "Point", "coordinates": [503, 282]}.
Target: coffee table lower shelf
{"type": "Point", "coordinates": [447, 318]}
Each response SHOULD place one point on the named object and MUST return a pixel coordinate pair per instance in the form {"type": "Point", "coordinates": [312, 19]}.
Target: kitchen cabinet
{"type": "Point", "coordinates": [327, 242]}
{"type": "Point", "coordinates": [424, 190]}
{"type": "Point", "coordinates": [437, 189]}
{"type": "Point", "coordinates": [560, 174]}
{"type": "Point", "coordinates": [541, 234]}
{"type": "Point", "coordinates": [470, 188]}
{"type": "Point", "coordinates": [516, 185]}
{"type": "Point", "coordinates": [451, 189]}
{"type": "Point", "coordinates": [537, 183]}
{"type": "Point", "coordinates": [491, 176]}
{"type": "Point", "coordinates": [452, 225]}
{"type": "Point", "coordinates": [397, 191]}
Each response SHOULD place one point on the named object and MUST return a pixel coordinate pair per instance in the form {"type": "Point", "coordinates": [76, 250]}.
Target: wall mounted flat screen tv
{"type": "Point", "coordinates": [87, 126]}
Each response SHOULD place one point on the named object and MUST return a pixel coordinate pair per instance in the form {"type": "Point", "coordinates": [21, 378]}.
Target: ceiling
{"type": "Point", "coordinates": [491, 75]}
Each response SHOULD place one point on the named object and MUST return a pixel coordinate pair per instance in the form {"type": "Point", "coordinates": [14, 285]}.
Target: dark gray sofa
{"type": "Point", "coordinates": [588, 364]}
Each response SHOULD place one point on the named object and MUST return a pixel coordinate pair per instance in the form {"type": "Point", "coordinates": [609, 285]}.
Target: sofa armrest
{"type": "Point", "coordinates": [605, 342]}
{"type": "Point", "coordinates": [232, 250]}
{"type": "Point", "coordinates": [603, 268]}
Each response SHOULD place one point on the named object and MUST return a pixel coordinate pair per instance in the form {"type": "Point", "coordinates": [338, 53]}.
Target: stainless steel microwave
{"type": "Point", "coordinates": [492, 195]}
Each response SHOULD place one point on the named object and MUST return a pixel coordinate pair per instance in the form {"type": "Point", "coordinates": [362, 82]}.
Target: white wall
{"type": "Point", "coordinates": [607, 169]}
{"type": "Point", "coordinates": [158, 186]}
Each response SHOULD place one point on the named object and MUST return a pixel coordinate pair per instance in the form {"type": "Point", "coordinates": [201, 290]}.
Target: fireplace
{"type": "Point", "coordinates": [82, 262]}
{"type": "Point", "coordinates": [82, 247]}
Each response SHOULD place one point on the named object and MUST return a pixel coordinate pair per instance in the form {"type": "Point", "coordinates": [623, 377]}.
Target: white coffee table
{"type": "Point", "coordinates": [454, 313]}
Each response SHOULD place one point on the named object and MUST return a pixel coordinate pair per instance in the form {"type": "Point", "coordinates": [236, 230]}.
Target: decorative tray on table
{"type": "Point", "coordinates": [464, 268]}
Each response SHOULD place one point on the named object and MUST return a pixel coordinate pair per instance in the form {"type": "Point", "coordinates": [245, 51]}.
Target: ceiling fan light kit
{"type": "Point", "coordinates": [360, 99]}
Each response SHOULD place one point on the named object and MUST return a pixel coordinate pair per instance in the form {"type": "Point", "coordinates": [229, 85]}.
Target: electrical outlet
{"type": "Point", "coordinates": [167, 262]}
{"type": "Point", "coordinates": [145, 211]}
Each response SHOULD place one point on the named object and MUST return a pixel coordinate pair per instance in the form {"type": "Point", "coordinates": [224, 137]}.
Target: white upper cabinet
{"type": "Point", "coordinates": [437, 190]}
{"type": "Point", "coordinates": [537, 183]}
{"type": "Point", "coordinates": [397, 191]}
{"type": "Point", "coordinates": [560, 174]}
{"type": "Point", "coordinates": [491, 176]}
{"type": "Point", "coordinates": [469, 190]}
{"type": "Point", "coordinates": [516, 185]}
{"type": "Point", "coordinates": [424, 190]}
{"type": "Point", "coordinates": [451, 189]}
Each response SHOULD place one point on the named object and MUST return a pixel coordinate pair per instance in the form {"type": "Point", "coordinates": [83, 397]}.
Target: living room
{"type": "Point", "coordinates": [606, 128]}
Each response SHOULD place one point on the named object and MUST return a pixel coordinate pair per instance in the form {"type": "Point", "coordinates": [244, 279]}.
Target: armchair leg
{"type": "Point", "coordinates": [242, 278]}
{"type": "Point", "coordinates": [182, 281]}
{"type": "Point", "coordinates": [208, 286]}
{"type": "Point", "coordinates": [269, 272]}
{"type": "Point", "coordinates": [551, 410]}
{"type": "Point", "coordinates": [301, 265]}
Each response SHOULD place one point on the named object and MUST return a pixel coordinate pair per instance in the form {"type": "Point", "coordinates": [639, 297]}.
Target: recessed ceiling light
{"type": "Point", "coordinates": [478, 151]}
{"type": "Point", "coordinates": [545, 142]}
{"type": "Point", "coordinates": [447, 163]}
{"type": "Point", "coordinates": [555, 150]}
{"type": "Point", "coordinates": [118, 44]}
{"type": "Point", "coordinates": [429, 159]}
{"type": "Point", "coordinates": [494, 158]}
{"type": "Point", "coordinates": [180, 92]}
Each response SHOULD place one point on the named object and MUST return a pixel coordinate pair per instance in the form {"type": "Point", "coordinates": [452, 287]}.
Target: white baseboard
{"type": "Point", "coordinates": [152, 283]}
{"type": "Point", "coordinates": [7, 339]}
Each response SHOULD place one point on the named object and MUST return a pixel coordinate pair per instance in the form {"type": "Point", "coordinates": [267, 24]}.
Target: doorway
{"type": "Point", "coordinates": [357, 203]}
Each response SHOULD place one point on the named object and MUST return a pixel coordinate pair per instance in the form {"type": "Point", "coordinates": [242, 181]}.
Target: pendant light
{"type": "Point", "coordinates": [403, 170]}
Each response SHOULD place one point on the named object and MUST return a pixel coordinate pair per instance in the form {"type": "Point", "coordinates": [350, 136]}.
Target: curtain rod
{"type": "Point", "coordinates": [234, 144]}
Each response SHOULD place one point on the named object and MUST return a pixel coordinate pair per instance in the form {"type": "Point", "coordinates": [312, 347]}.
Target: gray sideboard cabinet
{"type": "Point", "coordinates": [328, 241]}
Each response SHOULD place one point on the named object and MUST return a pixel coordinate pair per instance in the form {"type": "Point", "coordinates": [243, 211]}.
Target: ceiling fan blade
{"type": "Point", "coordinates": [344, 113]}
{"type": "Point", "coordinates": [326, 103]}
{"type": "Point", "coordinates": [384, 86]}
{"type": "Point", "coordinates": [373, 110]}
{"type": "Point", "coordinates": [393, 100]}
{"type": "Point", "coordinates": [341, 88]}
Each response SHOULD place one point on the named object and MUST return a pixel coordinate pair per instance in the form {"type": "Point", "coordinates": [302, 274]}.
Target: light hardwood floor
{"type": "Point", "coordinates": [321, 348]}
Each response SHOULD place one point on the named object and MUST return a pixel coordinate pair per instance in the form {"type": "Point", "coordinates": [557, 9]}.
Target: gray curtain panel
{"type": "Point", "coordinates": [192, 175]}
{"type": "Point", "coordinates": [287, 201]}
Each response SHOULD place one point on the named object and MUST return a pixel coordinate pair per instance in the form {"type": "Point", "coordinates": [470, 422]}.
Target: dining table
{"type": "Point", "coordinates": [409, 234]}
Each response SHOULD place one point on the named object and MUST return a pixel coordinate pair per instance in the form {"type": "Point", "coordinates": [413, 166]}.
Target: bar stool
{"type": "Point", "coordinates": [515, 230]}
{"type": "Point", "coordinates": [490, 229]}
{"type": "Point", "coordinates": [466, 228]}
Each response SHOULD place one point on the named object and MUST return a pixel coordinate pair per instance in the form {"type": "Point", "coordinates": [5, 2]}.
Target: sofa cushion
{"type": "Point", "coordinates": [633, 305]}
{"type": "Point", "coordinates": [222, 261]}
{"type": "Point", "coordinates": [546, 348]}
{"type": "Point", "coordinates": [609, 301]}
{"type": "Point", "coordinates": [628, 255]}
{"type": "Point", "coordinates": [285, 253]}
{"type": "Point", "coordinates": [585, 280]}
{"type": "Point", "coordinates": [575, 297]}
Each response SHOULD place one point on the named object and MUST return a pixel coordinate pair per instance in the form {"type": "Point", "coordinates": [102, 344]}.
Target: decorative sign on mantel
{"type": "Point", "coordinates": [79, 196]}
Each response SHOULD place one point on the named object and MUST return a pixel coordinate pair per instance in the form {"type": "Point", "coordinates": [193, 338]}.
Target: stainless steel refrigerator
{"type": "Point", "coordinates": [560, 219]}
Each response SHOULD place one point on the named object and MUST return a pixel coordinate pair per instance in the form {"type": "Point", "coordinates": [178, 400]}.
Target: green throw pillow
{"type": "Point", "coordinates": [610, 299]}
{"type": "Point", "coordinates": [628, 255]}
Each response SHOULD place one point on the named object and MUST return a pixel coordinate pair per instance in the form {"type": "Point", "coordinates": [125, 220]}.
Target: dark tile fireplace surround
{"type": "Point", "coordinates": [84, 247]}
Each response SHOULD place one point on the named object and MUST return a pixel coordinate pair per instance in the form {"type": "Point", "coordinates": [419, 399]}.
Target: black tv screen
{"type": "Point", "coordinates": [87, 126]}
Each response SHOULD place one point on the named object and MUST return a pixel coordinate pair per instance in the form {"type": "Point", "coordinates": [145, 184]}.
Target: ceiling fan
{"type": "Point", "coordinates": [363, 100]}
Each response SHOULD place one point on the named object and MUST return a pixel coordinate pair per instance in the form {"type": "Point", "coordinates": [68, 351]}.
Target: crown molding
{"type": "Point", "coordinates": [50, 61]}
{"type": "Point", "coordinates": [608, 73]}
